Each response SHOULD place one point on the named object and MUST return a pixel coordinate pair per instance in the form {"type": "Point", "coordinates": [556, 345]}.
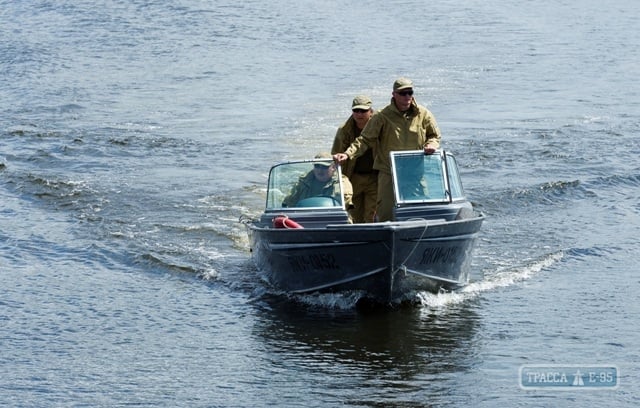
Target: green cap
{"type": "Point", "coordinates": [361, 102]}
{"type": "Point", "coordinates": [324, 155]}
{"type": "Point", "coordinates": [402, 83]}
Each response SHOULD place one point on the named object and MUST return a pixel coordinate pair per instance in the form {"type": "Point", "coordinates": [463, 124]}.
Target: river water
{"type": "Point", "coordinates": [134, 134]}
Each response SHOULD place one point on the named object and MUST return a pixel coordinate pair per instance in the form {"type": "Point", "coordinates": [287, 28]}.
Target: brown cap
{"type": "Point", "coordinates": [402, 83]}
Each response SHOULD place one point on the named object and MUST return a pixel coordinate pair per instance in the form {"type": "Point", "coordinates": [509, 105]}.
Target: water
{"type": "Point", "coordinates": [134, 134]}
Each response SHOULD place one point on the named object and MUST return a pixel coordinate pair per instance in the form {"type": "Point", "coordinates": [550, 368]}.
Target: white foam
{"type": "Point", "coordinates": [340, 301]}
{"type": "Point", "coordinates": [504, 277]}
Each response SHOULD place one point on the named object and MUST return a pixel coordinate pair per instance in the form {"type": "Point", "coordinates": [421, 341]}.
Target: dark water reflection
{"type": "Point", "coordinates": [408, 345]}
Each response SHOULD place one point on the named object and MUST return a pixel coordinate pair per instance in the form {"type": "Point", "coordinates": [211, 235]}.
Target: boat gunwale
{"type": "Point", "coordinates": [381, 226]}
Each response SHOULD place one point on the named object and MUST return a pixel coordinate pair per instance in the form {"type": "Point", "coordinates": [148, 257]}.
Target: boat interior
{"type": "Point", "coordinates": [425, 187]}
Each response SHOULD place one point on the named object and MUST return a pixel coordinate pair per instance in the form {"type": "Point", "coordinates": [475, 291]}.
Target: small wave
{"type": "Point", "coordinates": [550, 193]}
{"type": "Point", "coordinates": [553, 191]}
{"type": "Point", "coordinates": [589, 252]}
{"type": "Point", "coordinates": [70, 107]}
{"type": "Point", "coordinates": [60, 193]}
{"type": "Point", "coordinates": [615, 180]}
{"type": "Point", "coordinates": [167, 263]}
{"type": "Point", "coordinates": [56, 188]}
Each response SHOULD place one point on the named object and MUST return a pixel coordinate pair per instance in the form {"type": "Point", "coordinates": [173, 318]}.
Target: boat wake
{"type": "Point", "coordinates": [504, 277]}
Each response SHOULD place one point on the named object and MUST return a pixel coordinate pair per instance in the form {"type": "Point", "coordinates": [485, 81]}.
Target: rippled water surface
{"type": "Point", "coordinates": [133, 135]}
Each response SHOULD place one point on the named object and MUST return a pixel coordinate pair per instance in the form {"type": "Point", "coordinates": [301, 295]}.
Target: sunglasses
{"type": "Point", "coordinates": [405, 93]}
{"type": "Point", "coordinates": [360, 110]}
{"type": "Point", "coordinates": [321, 166]}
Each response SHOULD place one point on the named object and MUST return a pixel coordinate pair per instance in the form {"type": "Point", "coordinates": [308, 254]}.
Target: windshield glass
{"type": "Point", "coordinates": [420, 177]}
{"type": "Point", "coordinates": [306, 184]}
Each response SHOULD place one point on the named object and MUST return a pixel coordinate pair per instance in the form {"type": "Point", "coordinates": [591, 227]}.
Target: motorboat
{"type": "Point", "coordinates": [311, 246]}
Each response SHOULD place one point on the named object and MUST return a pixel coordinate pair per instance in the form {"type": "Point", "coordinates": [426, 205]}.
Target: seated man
{"type": "Point", "coordinates": [320, 181]}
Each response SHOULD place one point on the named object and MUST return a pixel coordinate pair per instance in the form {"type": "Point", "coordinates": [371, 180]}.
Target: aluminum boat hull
{"type": "Point", "coordinates": [389, 262]}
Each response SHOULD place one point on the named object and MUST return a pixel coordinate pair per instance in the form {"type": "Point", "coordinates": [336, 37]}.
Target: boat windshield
{"type": "Point", "coordinates": [425, 178]}
{"type": "Point", "coordinates": [305, 184]}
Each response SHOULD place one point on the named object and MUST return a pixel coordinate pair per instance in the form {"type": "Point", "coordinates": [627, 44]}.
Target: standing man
{"type": "Point", "coordinates": [360, 171]}
{"type": "Point", "coordinates": [401, 125]}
